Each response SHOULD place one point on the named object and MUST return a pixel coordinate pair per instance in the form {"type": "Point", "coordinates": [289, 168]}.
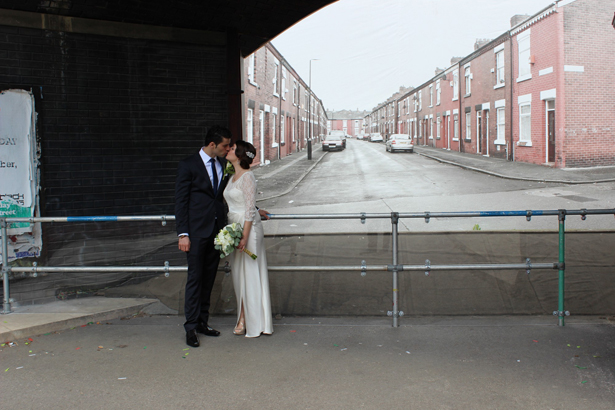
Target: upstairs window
{"type": "Point", "coordinates": [468, 78]}
{"type": "Point", "coordinates": [455, 85]}
{"type": "Point", "coordinates": [523, 42]}
{"type": "Point", "coordinates": [431, 95]}
{"type": "Point", "coordinates": [252, 68]}
{"type": "Point", "coordinates": [438, 92]}
{"type": "Point", "coordinates": [499, 68]}
{"type": "Point", "coordinates": [276, 68]}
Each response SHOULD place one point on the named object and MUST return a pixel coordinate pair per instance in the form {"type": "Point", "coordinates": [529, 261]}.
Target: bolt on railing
{"type": "Point", "coordinates": [395, 267]}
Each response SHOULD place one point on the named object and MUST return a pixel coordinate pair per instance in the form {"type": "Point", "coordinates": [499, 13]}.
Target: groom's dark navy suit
{"type": "Point", "coordinates": [201, 214]}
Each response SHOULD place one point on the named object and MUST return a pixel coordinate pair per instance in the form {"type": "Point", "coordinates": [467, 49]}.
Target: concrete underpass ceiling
{"type": "Point", "coordinates": [256, 21]}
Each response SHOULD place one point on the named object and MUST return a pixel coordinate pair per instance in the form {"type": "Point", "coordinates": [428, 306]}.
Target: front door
{"type": "Point", "coordinates": [551, 134]}
{"type": "Point", "coordinates": [479, 133]}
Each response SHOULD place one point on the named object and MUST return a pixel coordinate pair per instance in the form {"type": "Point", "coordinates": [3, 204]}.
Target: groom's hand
{"type": "Point", "coordinates": [184, 244]}
{"type": "Point", "coordinates": [264, 214]}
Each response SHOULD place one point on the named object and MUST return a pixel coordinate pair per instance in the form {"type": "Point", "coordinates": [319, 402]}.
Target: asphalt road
{"type": "Point", "coordinates": [366, 178]}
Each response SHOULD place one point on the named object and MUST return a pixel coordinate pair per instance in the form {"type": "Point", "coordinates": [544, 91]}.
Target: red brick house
{"type": "Point", "coordinates": [351, 122]}
{"type": "Point", "coordinates": [563, 99]}
{"type": "Point", "coordinates": [541, 92]}
{"type": "Point", "coordinates": [276, 106]}
{"type": "Point", "coordinates": [485, 95]}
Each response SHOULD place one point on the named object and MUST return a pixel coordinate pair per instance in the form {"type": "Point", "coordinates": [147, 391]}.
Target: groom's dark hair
{"type": "Point", "coordinates": [216, 133]}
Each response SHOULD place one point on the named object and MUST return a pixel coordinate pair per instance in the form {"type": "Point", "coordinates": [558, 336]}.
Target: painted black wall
{"type": "Point", "coordinates": [115, 115]}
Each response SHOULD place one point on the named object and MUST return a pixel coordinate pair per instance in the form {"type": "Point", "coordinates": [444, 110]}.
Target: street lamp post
{"type": "Point", "coordinates": [309, 139]}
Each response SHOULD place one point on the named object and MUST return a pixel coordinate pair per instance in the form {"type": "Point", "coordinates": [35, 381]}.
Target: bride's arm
{"type": "Point", "coordinates": [248, 188]}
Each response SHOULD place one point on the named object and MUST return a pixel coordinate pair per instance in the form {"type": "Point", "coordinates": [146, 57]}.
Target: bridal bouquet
{"type": "Point", "coordinates": [228, 238]}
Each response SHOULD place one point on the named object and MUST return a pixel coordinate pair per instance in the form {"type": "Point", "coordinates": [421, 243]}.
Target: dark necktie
{"type": "Point", "coordinates": [215, 174]}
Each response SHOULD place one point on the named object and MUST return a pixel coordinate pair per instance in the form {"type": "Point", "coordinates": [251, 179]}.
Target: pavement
{"type": "Point", "coordinates": [518, 170]}
{"type": "Point", "coordinates": [436, 362]}
{"type": "Point", "coordinates": [142, 362]}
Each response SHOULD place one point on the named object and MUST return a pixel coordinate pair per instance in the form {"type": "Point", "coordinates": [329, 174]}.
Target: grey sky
{"type": "Point", "coordinates": [369, 48]}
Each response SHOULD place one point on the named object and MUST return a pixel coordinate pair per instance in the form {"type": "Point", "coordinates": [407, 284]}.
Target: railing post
{"type": "Point", "coordinates": [5, 266]}
{"type": "Point", "coordinates": [562, 266]}
{"type": "Point", "coordinates": [395, 224]}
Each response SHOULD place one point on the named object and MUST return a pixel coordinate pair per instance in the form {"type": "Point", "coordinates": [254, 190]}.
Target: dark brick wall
{"type": "Point", "coordinates": [115, 115]}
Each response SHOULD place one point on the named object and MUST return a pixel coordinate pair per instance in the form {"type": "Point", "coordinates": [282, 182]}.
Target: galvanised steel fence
{"type": "Point", "coordinates": [394, 267]}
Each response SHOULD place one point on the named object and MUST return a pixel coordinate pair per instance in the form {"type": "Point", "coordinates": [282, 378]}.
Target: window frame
{"type": "Point", "coordinates": [524, 51]}
{"type": "Point", "coordinates": [274, 80]}
{"type": "Point", "coordinates": [468, 79]}
{"type": "Point", "coordinates": [468, 133]}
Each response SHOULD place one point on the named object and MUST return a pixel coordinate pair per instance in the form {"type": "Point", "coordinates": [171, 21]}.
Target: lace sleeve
{"type": "Point", "coordinates": [247, 186]}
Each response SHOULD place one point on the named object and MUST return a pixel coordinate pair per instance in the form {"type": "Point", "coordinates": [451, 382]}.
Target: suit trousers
{"type": "Point", "coordinates": [203, 261]}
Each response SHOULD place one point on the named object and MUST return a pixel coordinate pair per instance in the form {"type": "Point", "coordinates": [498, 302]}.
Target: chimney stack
{"type": "Point", "coordinates": [518, 18]}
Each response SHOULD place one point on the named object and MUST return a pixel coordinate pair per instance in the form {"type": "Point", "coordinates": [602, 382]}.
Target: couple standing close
{"type": "Point", "coordinates": [203, 193]}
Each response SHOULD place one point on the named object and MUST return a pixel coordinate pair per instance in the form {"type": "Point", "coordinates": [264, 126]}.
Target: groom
{"type": "Point", "coordinates": [200, 213]}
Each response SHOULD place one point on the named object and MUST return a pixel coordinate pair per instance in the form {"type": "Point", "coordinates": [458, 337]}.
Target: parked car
{"type": "Point", "coordinates": [339, 133]}
{"type": "Point", "coordinates": [375, 137]}
{"type": "Point", "coordinates": [399, 142]}
{"type": "Point", "coordinates": [333, 142]}
{"type": "Point", "coordinates": [360, 136]}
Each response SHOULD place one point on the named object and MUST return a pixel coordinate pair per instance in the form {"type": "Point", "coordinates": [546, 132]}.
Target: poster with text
{"type": "Point", "coordinates": [18, 172]}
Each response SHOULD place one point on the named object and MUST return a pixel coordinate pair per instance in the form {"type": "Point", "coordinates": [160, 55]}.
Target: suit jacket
{"type": "Point", "coordinates": [198, 212]}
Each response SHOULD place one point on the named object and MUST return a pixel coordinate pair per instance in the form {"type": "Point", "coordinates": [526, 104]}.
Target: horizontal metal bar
{"type": "Point", "coordinates": [487, 266]}
{"type": "Point", "coordinates": [93, 219]}
{"type": "Point", "coordinates": [420, 215]}
{"type": "Point", "coordinates": [359, 268]}
{"type": "Point", "coordinates": [383, 268]}
{"type": "Point", "coordinates": [39, 269]}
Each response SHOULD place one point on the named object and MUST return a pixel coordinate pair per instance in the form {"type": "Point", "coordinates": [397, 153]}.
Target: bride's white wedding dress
{"type": "Point", "coordinates": [250, 277]}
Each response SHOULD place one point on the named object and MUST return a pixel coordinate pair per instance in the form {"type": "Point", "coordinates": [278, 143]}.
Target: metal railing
{"type": "Point", "coordinates": [395, 267]}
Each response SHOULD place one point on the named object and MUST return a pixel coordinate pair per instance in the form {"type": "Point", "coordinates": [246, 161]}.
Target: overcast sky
{"type": "Point", "coordinates": [367, 49]}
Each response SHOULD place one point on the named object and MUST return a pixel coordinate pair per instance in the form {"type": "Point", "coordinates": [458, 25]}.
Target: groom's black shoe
{"type": "Point", "coordinates": [206, 330]}
{"type": "Point", "coordinates": [192, 339]}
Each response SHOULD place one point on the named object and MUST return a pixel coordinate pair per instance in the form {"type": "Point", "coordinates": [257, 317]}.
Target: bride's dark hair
{"type": "Point", "coordinates": [245, 152]}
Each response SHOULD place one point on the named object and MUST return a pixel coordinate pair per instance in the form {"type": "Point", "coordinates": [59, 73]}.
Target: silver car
{"type": "Point", "coordinates": [399, 142]}
{"type": "Point", "coordinates": [375, 137]}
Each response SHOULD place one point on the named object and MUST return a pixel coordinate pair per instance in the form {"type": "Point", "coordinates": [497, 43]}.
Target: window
{"type": "Point", "coordinates": [283, 91]}
{"type": "Point", "coordinates": [438, 92]}
{"type": "Point", "coordinates": [456, 128]}
{"type": "Point", "coordinates": [430, 128]}
{"type": "Point", "coordinates": [282, 129]}
{"type": "Point", "coordinates": [251, 68]}
{"type": "Point", "coordinates": [416, 102]}
{"type": "Point", "coordinates": [420, 101]}
{"type": "Point", "coordinates": [275, 77]}
{"type": "Point", "coordinates": [499, 68]}
{"type": "Point", "coordinates": [431, 95]}
{"type": "Point", "coordinates": [273, 135]}
{"type": "Point", "coordinates": [468, 78]}
{"type": "Point", "coordinates": [295, 93]}
{"type": "Point", "coordinates": [523, 42]}
{"type": "Point", "coordinates": [525, 122]}
{"type": "Point", "coordinates": [438, 124]}
{"type": "Point", "coordinates": [468, 126]}
{"type": "Point", "coordinates": [455, 85]}
{"type": "Point", "coordinates": [292, 129]}
{"type": "Point", "coordinates": [501, 124]}
{"type": "Point", "coordinates": [250, 126]}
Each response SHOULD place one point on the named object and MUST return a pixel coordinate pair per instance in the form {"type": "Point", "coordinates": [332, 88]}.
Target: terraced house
{"type": "Point", "coordinates": [541, 92]}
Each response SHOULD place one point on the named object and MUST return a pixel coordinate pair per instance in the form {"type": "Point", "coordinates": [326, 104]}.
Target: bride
{"type": "Point", "coordinates": [250, 277]}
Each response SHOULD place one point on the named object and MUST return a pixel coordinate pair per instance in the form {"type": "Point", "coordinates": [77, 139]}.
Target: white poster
{"type": "Point", "coordinates": [18, 171]}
